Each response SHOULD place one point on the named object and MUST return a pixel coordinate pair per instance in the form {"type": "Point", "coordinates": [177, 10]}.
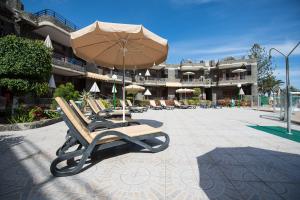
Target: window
{"type": "Point", "coordinates": [248, 70]}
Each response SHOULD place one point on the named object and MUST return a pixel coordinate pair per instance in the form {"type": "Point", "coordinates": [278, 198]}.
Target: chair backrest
{"type": "Point", "coordinates": [74, 120]}
{"type": "Point", "coordinates": [177, 103]}
{"type": "Point", "coordinates": [129, 102]}
{"type": "Point", "coordinates": [100, 104]}
{"type": "Point", "coordinates": [163, 103]}
{"type": "Point", "coordinates": [93, 106]}
{"type": "Point", "coordinates": [78, 111]}
{"type": "Point", "coordinates": [152, 103]}
{"type": "Point", "coordinates": [122, 103]}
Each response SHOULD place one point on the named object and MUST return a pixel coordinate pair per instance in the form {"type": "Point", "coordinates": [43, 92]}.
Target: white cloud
{"type": "Point", "coordinates": [217, 48]}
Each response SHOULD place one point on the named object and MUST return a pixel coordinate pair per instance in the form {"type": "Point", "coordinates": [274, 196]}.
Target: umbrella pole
{"type": "Point", "coordinates": [124, 84]}
{"type": "Point", "coordinates": [114, 97]}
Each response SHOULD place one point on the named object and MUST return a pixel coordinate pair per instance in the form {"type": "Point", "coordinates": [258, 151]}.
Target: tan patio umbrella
{"type": "Point", "coordinates": [134, 89]}
{"type": "Point", "coordinates": [188, 75]}
{"type": "Point", "coordinates": [184, 90]}
{"type": "Point", "coordinates": [122, 46]}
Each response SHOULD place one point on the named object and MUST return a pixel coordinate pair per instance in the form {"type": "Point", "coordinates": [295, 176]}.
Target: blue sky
{"type": "Point", "coordinates": [199, 29]}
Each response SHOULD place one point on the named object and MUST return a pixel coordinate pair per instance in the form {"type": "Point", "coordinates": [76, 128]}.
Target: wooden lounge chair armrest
{"type": "Point", "coordinates": [100, 125]}
{"type": "Point", "coordinates": [97, 117]}
{"type": "Point", "coordinates": [107, 110]}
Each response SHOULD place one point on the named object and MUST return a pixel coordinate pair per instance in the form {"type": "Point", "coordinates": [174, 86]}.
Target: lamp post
{"type": "Point", "coordinates": [288, 100]}
{"type": "Point", "coordinates": [239, 85]}
{"type": "Point", "coordinates": [114, 90]}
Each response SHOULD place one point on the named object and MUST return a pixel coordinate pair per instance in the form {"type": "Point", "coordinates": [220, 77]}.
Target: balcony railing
{"type": "Point", "coordinates": [70, 63]}
{"type": "Point", "coordinates": [234, 80]}
{"type": "Point", "coordinates": [196, 82]}
{"type": "Point", "coordinates": [56, 18]}
{"type": "Point", "coordinates": [151, 80]}
{"type": "Point", "coordinates": [120, 77]}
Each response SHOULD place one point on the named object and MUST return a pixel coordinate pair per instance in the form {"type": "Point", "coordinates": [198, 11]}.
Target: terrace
{"type": "Point", "coordinates": [205, 160]}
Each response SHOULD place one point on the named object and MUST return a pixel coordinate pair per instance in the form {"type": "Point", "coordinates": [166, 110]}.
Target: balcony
{"type": "Point", "coordinates": [151, 81]}
{"type": "Point", "coordinates": [236, 80]}
{"type": "Point", "coordinates": [55, 18]}
{"type": "Point", "coordinates": [196, 83]}
{"type": "Point", "coordinates": [226, 64]}
{"type": "Point", "coordinates": [119, 79]}
{"type": "Point", "coordinates": [67, 64]}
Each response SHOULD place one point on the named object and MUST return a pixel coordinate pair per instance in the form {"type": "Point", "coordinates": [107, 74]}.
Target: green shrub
{"type": "Point", "coordinates": [191, 102]}
{"type": "Point", "coordinates": [19, 119]}
{"type": "Point", "coordinates": [84, 96]}
{"type": "Point", "coordinates": [25, 65]}
{"type": "Point", "coordinates": [36, 113]}
{"type": "Point", "coordinates": [24, 114]}
{"type": "Point", "coordinates": [67, 92]}
{"type": "Point", "coordinates": [52, 114]}
{"type": "Point", "coordinates": [143, 103]}
{"type": "Point", "coordinates": [197, 92]}
{"type": "Point", "coordinates": [118, 103]}
{"type": "Point", "coordinates": [106, 103]}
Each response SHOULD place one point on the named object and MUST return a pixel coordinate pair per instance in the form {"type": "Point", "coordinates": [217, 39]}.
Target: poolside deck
{"type": "Point", "coordinates": [213, 154]}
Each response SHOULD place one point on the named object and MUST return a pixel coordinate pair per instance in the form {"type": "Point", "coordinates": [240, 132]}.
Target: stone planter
{"type": "Point", "coordinates": [29, 125]}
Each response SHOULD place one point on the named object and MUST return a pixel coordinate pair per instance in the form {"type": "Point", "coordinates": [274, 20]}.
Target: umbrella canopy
{"type": "Point", "coordinates": [133, 89]}
{"type": "Point", "coordinates": [122, 46]}
{"type": "Point", "coordinates": [147, 93]}
{"type": "Point", "coordinates": [147, 73]}
{"type": "Point", "coordinates": [52, 82]}
{"type": "Point", "coordinates": [239, 70]}
{"type": "Point", "coordinates": [114, 89]}
{"type": "Point", "coordinates": [94, 88]}
{"type": "Point", "coordinates": [241, 92]}
{"type": "Point", "coordinates": [106, 43]}
{"type": "Point", "coordinates": [188, 73]}
{"type": "Point", "coordinates": [48, 42]}
{"type": "Point", "coordinates": [184, 90]}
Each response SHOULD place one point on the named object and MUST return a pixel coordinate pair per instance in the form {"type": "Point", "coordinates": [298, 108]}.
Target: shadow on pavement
{"type": "Point", "coordinates": [249, 173]}
{"type": "Point", "coordinates": [25, 174]}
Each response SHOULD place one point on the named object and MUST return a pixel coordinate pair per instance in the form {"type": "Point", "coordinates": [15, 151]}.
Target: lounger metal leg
{"type": "Point", "coordinates": [69, 143]}
{"type": "Point", "coordinates": [73, 167]}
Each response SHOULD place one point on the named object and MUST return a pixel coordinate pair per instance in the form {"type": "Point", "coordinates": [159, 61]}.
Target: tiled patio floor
{"type": "Point", "coordinates": [213, 154]}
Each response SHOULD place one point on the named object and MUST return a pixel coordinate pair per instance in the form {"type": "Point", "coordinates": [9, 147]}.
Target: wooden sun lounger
{"type": "Point", "coordinates": [87, 143]}
{"type": "Point", "coordinates": [154, 106]}
{"type": "Point", "coordinates": [97, 110]}
{"type": "Point", "coordinates": [131, 109]}
{"type": "Point", "coordinates": [98, 122]}
{"type": "Point", "coordinates": [165, 106]}
{"type": "Point", "coordinates": [111, 110]}
{"type": "Point", "coordinates": [179, 105]}
{"type": "Point", "coordinates": [136, 108]}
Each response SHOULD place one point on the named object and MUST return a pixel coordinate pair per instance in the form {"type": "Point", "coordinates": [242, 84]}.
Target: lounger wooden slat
{"type": "Point", "coordinates": [132, 131]}
{"type": "Point", "coordinates": [154, 106]}
{"type": "Point", "coordinates": [165, 106]}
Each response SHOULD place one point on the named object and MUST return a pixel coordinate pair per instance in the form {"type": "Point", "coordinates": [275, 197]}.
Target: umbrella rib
{"type": "Point", "coordinates": [102, 42]}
